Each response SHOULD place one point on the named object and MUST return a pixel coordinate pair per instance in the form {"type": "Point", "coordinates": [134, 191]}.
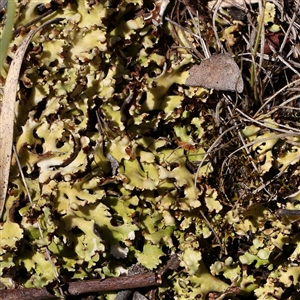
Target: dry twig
{"type": "Point", "coordinates": [8, 112]}
{"type": "Point", "coordinates": [146, 279]}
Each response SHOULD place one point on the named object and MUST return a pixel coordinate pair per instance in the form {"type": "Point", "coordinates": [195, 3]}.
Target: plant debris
{"type": "Point", "coordinates": [118, 162]}
{"type": "Point", "coordinates": [219, 72]}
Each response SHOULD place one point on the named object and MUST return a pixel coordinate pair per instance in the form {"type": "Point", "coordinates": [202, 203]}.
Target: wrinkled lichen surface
{"type": "Point", "coordinates": [109, 139]}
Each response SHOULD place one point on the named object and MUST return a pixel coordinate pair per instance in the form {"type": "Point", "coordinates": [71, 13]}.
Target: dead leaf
{"type": "Point", "coordinates": [8, 112]}
{"type": "Point", "coordinates": [219, 72]}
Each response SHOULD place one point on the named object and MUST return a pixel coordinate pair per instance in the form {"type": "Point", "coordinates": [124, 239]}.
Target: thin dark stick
{"type": "Point", "coordinates": [48, 12]}
{"type": "Point", "coordinates": [84, 287]}
{"type": "Point", "coordinates": [145, 279]}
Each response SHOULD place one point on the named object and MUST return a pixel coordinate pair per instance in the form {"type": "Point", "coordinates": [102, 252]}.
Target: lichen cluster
{"type": "Point", "coordinates": [109, 139]}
